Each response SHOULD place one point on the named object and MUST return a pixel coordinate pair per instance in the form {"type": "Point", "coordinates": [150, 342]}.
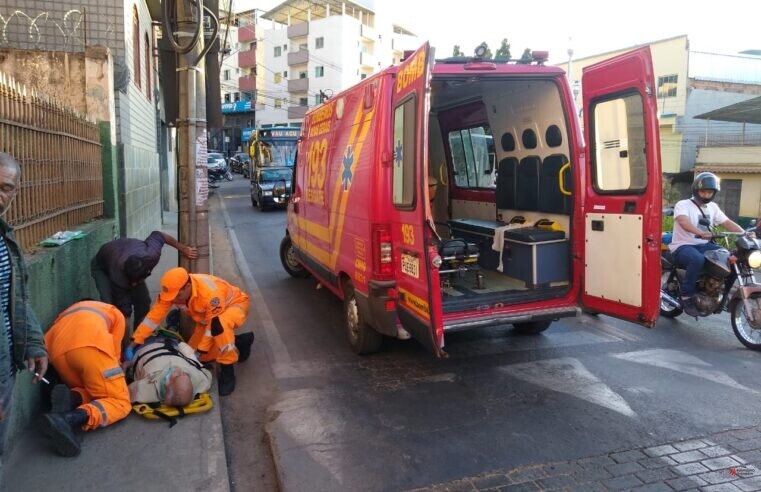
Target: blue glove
{"type": "Point", "coordinates": [129, 354]}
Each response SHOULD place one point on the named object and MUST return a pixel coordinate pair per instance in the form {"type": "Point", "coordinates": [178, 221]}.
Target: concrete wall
{"type": "Point", "coordinates": [58, 277]}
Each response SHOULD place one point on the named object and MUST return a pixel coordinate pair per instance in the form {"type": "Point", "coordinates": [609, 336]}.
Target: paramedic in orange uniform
{"type": "Point", "coordinates": [84, 344]}
{"type": "Point", "coordinates": [218, 309]}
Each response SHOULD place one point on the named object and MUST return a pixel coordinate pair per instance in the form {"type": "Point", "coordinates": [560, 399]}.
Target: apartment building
{"type": "Point", "coordinates": [306, 52]}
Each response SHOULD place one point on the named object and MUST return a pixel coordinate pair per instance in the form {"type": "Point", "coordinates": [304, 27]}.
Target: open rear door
{"type": "Point", "coordinates": [622, 200]}
{"type": "Point", "coordinates": [418, 309]}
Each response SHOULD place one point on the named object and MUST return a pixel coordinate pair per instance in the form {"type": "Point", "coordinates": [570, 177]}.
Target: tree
{"type": "Point", "coordinates": [487, 54]}
{"type": "Point", "coordinates": [456, 51]}
{"type": "Point", "coordinates": [526, 56]}
{"type": "Point", "coordinates": [504, 50]}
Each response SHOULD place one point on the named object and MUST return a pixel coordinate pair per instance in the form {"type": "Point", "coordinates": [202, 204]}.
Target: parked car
{"type": "Point", "coordinates": [240, 163]}
{"type": "Point", "coordinates": [271, 187]}
{"type": "Point", "coordinates": [216, 161]}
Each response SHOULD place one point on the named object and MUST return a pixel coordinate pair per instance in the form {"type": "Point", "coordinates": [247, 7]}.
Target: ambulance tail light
{"type": "Point", "coordinates": [383, 264]}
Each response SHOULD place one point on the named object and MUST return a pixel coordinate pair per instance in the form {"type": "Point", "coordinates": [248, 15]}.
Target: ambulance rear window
{"type": "Point", "coordinates": [473, 157]}
{"type": "Point", "coordinates": [404, 154]}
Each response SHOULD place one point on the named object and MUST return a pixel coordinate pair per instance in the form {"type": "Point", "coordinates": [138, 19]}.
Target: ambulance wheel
{"type": "Point", "coordinates": [531, 327]}
{"type": "Point", "coordinates": [289, 260]}
{"type": "Point", "coordinates": [363, 339]}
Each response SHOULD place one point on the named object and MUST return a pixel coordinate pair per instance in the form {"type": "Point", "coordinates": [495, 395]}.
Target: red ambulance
{"type": "Point", "coordinates": [441, 195]}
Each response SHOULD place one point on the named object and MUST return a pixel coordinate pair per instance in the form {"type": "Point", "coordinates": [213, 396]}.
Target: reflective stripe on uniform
{"type": "Point", "coordinates": [85, 308]}
{"type": "Point", "coordinates": [114, 371]}
{"type": "Point", "coordinates": [103, 414]}
{"type": "Point", "coordinates": [230, 298]}
{"type": "Point", "coordinates": [207, 333]}
{"type": "Point", "coordinates": [243, 310]}
{"type": "Point", "coordinates": [209, 282]}
{"type": "Point", "coordinates": [227, 347]}
{"type": "Point", "coordinates": [150, 323]}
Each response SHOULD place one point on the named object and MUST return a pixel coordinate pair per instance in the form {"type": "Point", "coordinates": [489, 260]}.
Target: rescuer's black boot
{"type": "Point", "coordinates": [62, 399]}
{"type": "Point", "coordinates": [243, 343]}
{"type": "Point", "coordinates": [63, 427]}
{"type": "Point", "coordinates": [226, 379]}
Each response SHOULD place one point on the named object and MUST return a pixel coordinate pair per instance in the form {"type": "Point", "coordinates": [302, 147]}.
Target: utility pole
{"type": "Point", "coordinates": [192, 179]}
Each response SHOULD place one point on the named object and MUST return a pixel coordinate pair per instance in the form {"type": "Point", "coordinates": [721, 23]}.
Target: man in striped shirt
{"type": "Point", "coordinates": [21, 343]}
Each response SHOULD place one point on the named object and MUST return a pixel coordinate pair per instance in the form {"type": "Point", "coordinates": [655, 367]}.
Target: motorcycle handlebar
{"type": "Point", "coordinates": [719, 235]}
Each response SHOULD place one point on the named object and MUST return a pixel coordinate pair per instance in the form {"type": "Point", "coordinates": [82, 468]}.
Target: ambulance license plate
{"type": "Point", "coordinates": [411, 265]}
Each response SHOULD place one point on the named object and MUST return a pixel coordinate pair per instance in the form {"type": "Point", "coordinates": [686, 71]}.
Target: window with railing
{"type": "Point", "coordinates": [667, 85]}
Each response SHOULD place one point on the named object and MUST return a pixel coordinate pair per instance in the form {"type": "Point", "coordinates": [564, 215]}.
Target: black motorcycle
{"type": "Point", "coordinates": [727, 282]}
{"type": "Point", "coordinates": [216, 175]}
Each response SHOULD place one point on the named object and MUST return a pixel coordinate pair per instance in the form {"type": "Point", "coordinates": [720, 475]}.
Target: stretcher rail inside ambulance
{"type": "Point", "coordinates": [448, 194]}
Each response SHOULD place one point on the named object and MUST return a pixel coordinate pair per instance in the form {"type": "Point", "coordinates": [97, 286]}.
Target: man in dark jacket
{"type": "Point", "coordinates": [121, 266]}
{"type": "Point", "coordinates": [21, 342]}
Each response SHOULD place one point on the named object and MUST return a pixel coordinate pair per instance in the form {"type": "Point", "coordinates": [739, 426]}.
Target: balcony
{"type": "Point", "coordinates": [297, 112]}
{"type": "Point", "coordinates": [298, 30]}
{"type": "Point", "coordinates": [247, 58]}
{"type": "Point", "coordinates": [298, 57]}
{"type": "Point", "coordinates": [368, 60]}
{"type": "Point", "coordinates": [298, 85]}
{"type": "Point", "coordinates": [246, 33]}
{"type": "Point", "coordinates": [247, 83]}
{"type": "Point", "coordinates": [368, 32]}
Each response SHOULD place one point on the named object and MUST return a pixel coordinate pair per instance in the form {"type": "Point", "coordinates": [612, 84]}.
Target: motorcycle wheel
{"type": "Point", "coordinates": [229, 176]}
{"type": "Point", "coordinates": [748, 336]}
{"type": "Point", "coordinates": [667, 310]}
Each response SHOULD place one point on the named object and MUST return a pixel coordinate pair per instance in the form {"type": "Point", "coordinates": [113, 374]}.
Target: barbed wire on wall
{"type": "Point", "coordinates": [68, 27]}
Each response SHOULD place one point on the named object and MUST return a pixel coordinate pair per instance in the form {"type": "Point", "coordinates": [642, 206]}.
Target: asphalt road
{"type": "Point", "coordinates": [401, 419]}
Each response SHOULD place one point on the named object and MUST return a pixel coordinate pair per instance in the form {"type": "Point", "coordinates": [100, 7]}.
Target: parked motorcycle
{"type": "Point", "coordinates": [219, 174]}
{"type": "Point", "coordinates": [727, 282]}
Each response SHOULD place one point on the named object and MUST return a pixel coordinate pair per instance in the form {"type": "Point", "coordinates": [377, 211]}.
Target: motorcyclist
{"type": "Point", "coordinates": [693, 219]}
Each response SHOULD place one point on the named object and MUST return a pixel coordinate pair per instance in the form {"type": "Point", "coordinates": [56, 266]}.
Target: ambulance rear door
{"type": "Point", "coordinates": [622, 189]}
{"type": "Point", "coordinates": [419, 311]}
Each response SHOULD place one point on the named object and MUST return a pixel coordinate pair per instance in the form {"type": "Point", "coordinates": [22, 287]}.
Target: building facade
{"type": "Point", "coordinates": [307, 52]}
{"type": "Point", "coordinates": [690, 85]}
{"type": "Point", "coordinates": [670, 63]}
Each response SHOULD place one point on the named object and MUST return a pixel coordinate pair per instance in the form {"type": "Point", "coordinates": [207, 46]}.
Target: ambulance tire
{"type": "Point", "coordinates": [288, 259]}
{"type": "Point", "coordinates": [531, 327]}
{"type": "Point", "coordinates": [363, 339]}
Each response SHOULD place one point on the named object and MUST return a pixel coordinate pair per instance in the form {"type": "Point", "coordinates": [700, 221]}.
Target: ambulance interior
{"type": "Point", "coordinates": [499, 168]}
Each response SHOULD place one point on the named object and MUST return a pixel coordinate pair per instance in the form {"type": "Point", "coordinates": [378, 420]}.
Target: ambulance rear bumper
{"type": "Point", "coordinates": [505, 319]}
{"type": "Point", "coordinates": [373, 307]}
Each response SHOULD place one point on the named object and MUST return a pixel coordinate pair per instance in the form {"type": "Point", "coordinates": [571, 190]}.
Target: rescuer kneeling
{"type": "Point", "coordinates": [84, 345]}
{"type": "Point", "coordinates": [218, 309]}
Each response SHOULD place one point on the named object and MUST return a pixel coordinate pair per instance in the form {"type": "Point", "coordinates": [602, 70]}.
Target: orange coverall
{"type": "Point", "coordinates": [84, 346]}
{"type": "Point", "coordinates": [211, 297]}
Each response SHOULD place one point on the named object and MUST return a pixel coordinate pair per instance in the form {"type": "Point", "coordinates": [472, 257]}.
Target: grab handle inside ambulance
{"type": "Point", "coordinates": [566, 166]}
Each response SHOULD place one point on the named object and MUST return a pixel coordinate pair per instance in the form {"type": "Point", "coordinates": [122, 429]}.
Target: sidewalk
{"type": "Point", "coordinates": [134, 454]}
